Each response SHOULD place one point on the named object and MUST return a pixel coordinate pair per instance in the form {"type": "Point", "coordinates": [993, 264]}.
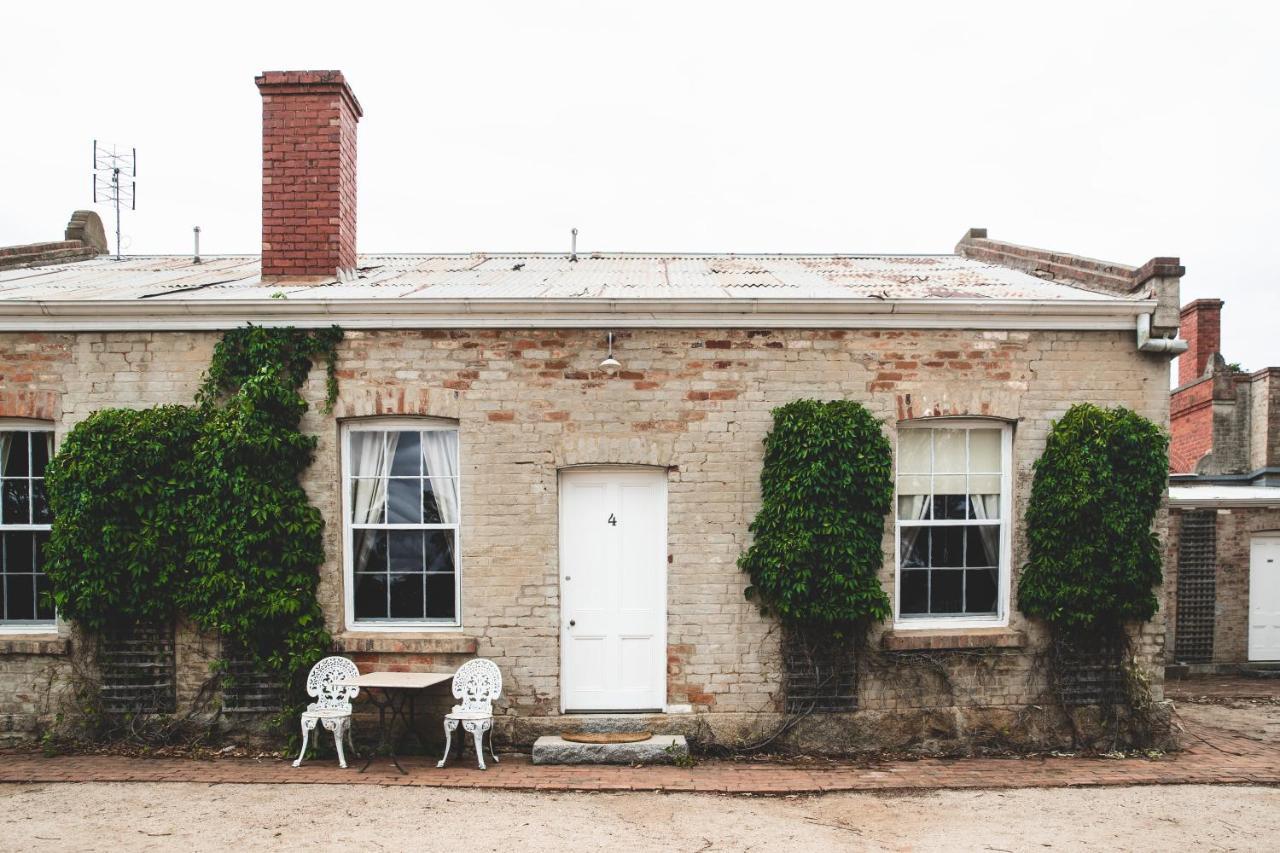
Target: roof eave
{"type": "Point", "coordinates": [410, 313]}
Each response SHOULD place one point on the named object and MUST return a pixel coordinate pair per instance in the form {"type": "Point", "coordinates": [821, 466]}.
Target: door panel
{"type": "Point", "coordinates": [1264, 598]}
{"type": "Point", "coordinates": [613, 532]}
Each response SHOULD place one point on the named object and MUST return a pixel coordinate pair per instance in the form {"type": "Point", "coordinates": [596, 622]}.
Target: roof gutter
{"type": "Point", "coordinates": [157, 314]}
{"type": "Point", "coordinates": [1146, 343]}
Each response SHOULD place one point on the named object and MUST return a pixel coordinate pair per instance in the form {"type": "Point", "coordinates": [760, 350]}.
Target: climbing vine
{"type": "Point", "coordinates": [826, 486]}
{"type": "Point", "coordinates": [1095, 557]}
{"type": "Point", "coordinates": [197, 510]}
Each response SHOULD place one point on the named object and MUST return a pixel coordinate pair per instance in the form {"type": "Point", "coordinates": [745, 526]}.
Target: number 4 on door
{"type": "Point", "coordinates": [613, 520]}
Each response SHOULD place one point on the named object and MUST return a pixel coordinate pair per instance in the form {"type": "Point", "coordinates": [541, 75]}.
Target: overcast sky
{"type": "Point", "coordinates": [1117, 130]}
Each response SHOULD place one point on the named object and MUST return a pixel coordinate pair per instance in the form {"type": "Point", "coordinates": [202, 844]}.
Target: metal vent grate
{"type": "Point", "coordinates": [247, 690]}
{"type": "Point", "coordinates": [138, 672]}
{"type": "Point", "coordinates": [1092, 678]}
{"type": "Point", "coordinates": [1197, 587]}
{"type": "Point", "coordinates": [819, 676]}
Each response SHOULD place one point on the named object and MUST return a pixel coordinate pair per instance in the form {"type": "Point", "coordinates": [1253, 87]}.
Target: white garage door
{"type": "Point", "coordinates": [1264, 598]}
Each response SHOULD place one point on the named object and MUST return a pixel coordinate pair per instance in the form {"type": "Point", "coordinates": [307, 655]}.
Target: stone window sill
{"type": "Point", "coordinates": [34, 644]}
{"type": "Point", "coordinates": [407, 643]}
{"type": "Point", "coordinates": [956, 638]}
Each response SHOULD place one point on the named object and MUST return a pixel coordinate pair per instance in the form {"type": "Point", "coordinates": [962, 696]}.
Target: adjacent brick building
{"type": "Point", "coordinates": [493, 487]}
{"type": "Point", "coordinates": [1223, 553]}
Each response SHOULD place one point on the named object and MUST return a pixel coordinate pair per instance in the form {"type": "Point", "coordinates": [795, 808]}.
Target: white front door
{"type": "Point", "coordinates": [613, 589]}
{"type": "Point", "coordinates": [1264, 598]}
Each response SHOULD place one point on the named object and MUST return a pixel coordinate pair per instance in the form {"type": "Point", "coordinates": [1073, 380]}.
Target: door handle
{"type": "Point", "coordinates": [572, 622]}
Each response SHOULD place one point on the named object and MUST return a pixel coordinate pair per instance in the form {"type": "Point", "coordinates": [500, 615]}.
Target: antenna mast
{"type": "Point", "coordinates": [113, 175]}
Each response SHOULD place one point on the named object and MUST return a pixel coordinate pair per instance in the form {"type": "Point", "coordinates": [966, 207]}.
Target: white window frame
{"type": "Point", "coordinates": [348, 429]}
{"type": "Point", "coordinates": [1001, 619]}
{"type": "Point", "coordinates": [29, 626]}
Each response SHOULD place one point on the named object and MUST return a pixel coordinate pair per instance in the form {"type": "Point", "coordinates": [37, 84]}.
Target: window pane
{"type": "Point", "coordinates": [946, 546]}
{"type": "Point", "coordinates": [914, 547]}
{"type": "Point", "coordinates": [440, 596]}
{"type": "Point", "coordinates": [19, 550]}
{"type": "Point", "coordinates": [406, 597]}
{"type": "Point", "coordinates": [17, 502]}
{"type": "Point", "coordinates": [913, 507]}
{"type": "Point", "coordinates": [368, 454]}
{"type": "Point", "coordinates": [949, 506]}
{"type": "Point", "coordinates": [44, 607]}
{"type": "Point", "coordinates": [20, 599]}
{"type": "Point", "coordinates": [914, 595]}
{"type": "Point", "coordinates": [39, 503]}
{"type": "Point", "coordinates": [948, 451]}
{"type": "Point", "coordinates": [440, 501]}
{"type": "Point", "coordinates": [404, 501]}
{"type": "Point", "coordinates": [946, 592]}
{"type": "Point", "coordinates": [406, 550]}
{"type": "Point", "coordinates": [439, 550]}
{"type": "Point", "coordinates": [15, 465]}
{"type": "Point", "coordinates": [369, 550]}
{"type": "Point", "coordinates": [368, 501]}
{"type": "Point", "coordinates": [371, 596]}
{"type": "Point", "coordinates": [913, 451]}
{"type": "Point", "coordinates": [982, 545]}
{"type": "Point", "coordinates": [984, 450]}
{"type": "Point", "coordinates": [980, 590]}
{"type": "Point", "coordinates": [40, 442]}
{"type": "Point", "coordinates": [407, 459]}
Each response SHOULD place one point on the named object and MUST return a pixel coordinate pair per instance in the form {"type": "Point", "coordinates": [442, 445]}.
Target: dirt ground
{"type": "Point", "coordinates": [189, 817]}
{"type": "Point", "coordinates": [197, 817]}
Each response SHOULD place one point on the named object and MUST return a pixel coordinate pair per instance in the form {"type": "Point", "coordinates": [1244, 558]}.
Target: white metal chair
{"type": "Point", "coordinates": [332, 707]}
{"type": "Point", "coordinates": [477, 683]}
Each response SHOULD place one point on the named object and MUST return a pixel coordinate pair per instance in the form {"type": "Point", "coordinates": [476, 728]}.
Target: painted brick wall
{"type": "Point", "coordinates": [695, 401]}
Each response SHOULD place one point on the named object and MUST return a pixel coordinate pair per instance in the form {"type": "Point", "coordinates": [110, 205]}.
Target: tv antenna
{"type": "Point", "coordinates": [113, 174]}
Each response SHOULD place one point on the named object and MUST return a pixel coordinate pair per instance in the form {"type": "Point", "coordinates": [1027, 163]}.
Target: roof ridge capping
{"type": "Point", "coordinates": [1160, 275]}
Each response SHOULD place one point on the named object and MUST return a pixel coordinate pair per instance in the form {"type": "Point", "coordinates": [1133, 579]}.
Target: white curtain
{"type": "Point", "coordinates": [988, 506]}
{"type": "Point", "coordinates": [440, 462]}
{"type": "Point", "coordinates": [6, 440]}
{"type": "Point", "coordinates": [371, 455]}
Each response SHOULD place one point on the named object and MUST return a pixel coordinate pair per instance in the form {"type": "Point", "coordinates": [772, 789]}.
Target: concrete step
{"type": "Point", "coordinates": [659, 749]}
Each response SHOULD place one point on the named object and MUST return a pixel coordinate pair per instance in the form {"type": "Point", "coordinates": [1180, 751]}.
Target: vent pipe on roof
{"type": "Point", "coordinates": [196, 231]}
{"type": "Point", "coordinates": [573, 244]}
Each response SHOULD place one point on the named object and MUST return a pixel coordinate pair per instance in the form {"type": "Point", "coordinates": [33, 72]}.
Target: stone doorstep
{"type": "Point", "coordinates": [659, 749]}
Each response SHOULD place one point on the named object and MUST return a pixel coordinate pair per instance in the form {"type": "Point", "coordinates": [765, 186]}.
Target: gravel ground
{"type": "Point", "coordinates": [191, 817]}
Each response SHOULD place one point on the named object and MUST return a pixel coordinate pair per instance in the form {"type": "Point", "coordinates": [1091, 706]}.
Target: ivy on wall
{"type": "Point", "coordinates": [1094, 556]}
{"type": "Point", "coordinates": [198, 510]}
{"type": "Point", "coordinates": [826, 487]}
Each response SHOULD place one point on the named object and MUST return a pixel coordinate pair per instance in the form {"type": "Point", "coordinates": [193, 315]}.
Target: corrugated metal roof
{"type": "Point", "coordinates": [618, 276]}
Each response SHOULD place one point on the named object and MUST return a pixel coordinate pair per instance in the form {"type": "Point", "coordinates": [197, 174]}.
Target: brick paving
{"type": "Point", "coordinates": [1213, 755]}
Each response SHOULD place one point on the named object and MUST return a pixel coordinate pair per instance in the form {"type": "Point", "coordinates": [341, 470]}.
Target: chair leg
{"type": "Point", "coordinates": [351, 741]}
{"type": "Point", "coordinates": [477, 734]}
{"type": "Point", "coordinates": [492, 750]}
{"type": "Point", "coordinates": [306, 735]}
{"type": "Point", "coordinates": [448, 741]}
{"type": "Point", "coordinates": [339, 734]}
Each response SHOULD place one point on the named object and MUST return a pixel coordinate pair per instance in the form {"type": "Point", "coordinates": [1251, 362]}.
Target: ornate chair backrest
{"type": "Point", "coordinates": [477, 683]}
{"type": "Point", "coordinates": [322, 683]}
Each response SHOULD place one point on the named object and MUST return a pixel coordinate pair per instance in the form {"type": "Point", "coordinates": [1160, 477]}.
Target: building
{"type": "Point", "coordinates": [480, 377]}
{"type": "Point", "coordinates": [1223, 553]}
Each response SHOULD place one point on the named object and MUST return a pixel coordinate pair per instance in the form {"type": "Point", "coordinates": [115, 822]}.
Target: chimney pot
{"type": "Point", "coordinates": [312, 116]}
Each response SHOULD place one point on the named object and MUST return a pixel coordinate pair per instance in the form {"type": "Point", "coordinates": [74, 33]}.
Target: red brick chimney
{"type": "Point", "coordinates": [308, 173]}
{"type": "Point", "coordinates": [1201, 326]}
